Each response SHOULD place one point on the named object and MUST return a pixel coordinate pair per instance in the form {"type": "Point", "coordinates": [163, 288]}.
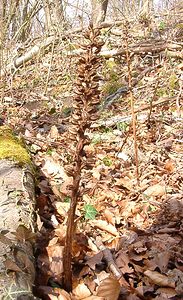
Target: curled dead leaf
{"type": "Point", "coordinates": [54, 293]}
{"type": "Point", "coordinates": [109, 289]}
{"type": "Point", "coordinates": [103, 225]}
{"type": "Point", "coordinates": [81, 291]}
{"type": "Point", "coordinates": [109, 216]}
{"type": "Point", "coordinates": [5, 240]}
{"type": "Point", "coordinates": [54, 134]}
{"type": "Point", "coordinates": [155, 190]}
{"type": "Point", "coordinates": [160, 279]}
{"type": "Point", "coordinates": [167, 291]}
{"type": "Point", "coordinates": [11, 266]}
{"type": "Point", "coordinates": [94, 298]}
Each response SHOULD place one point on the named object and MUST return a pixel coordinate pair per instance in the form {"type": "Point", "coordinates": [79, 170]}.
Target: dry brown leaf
{"type": "Point", "coordinates": [96, 173]}
{"type": "Point", "coordinates": [109, 216]}
{"type": "Point", "coordinates": [123, 261]}
{"type": "Point", "coordinates": [24, 234]}
{"type": "Point", "coordinates": [94, 298]}
{"type": "Point", "coordinates": [25, 261]}
{"type": "Point", "coordinates": [167, 291]}
{"type": "Point", "coordinates": [11, 266]}
{"type": "Point", "coordinates": [53, 241]}
{"type": "Point", "coordinates": [81, 291]}
{"type": "Point", "coordinates": [5, 240]}
{"type": "Point", "coordinates": [160, 260]}
{"type": "Point", "coordinates": [28, 133]}
{"type": "Point", "coordinates": [55, 255]}
{"type": "Point", "coordinates": [101, 277]}
{"type": "Point", "coordinates": [160, 279]}
{"type": "Point", "coordinates": [52, 168]}
{"type": "Point", "coordinates": [94, 260]}
{"type": "Point", "coordinates": [62, 208]}
{"type": "Point", "coordinates": [155, 190]}
{"type": "Point", "coordinates": [170, 166]}
{"type": "Point", "coordinates": [92, 245]}
{"type": "Point", "coordinates": [90, 149]}
{"type": "Point", "coordinates": [55, 293]}
{"type": "Point", "coordinates": [124, 182]}
{"type": "Point", "coordinates": [103, 225]}
{"type": "Point", "coordinates": [109, 289]}
{"type": "Point", "coordinates": [54, 134]}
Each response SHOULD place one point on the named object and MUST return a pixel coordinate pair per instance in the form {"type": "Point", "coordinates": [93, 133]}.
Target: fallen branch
{"type": "Point", "coordinates": [154, 47]}
{"type": "Point", "coordinates": [119, 119]}
{"type": "Point", "coordinates": [19, 61]}
{"type": "Point", "coordinates": [109, 100]}
{"type": "Point", "coordinates": [109, 260]}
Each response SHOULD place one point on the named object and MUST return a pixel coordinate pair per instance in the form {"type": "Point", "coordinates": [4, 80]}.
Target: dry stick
{"type": "Point", "coordinates": [132, 102]}
{"type": "Point", "coordinates": [151, 102]}
{"type": "Point", "coordinates": [108, 257]}
{"type": "Point", "coordinates": [179, 95]}
{"type": "Point", "coordinates": [49, 69]}
{"type": "Point", "coordinates": [109, 260]}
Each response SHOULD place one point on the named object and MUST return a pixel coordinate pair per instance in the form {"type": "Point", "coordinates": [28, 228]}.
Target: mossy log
{"type": "Point", "coordinates": [17, 224]}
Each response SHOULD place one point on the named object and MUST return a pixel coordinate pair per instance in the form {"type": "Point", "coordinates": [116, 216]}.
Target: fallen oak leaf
{"type": "Point", "coordinates": [5, 240]}
{"type": "Point", "coordinates": [160, 279]}
{"type": "Point", "coordinates": [155, 190]}
{"type": "Point", "coordinates": [62, 296]}
{"type": "Point", "coordinates": [109, 216]}
{"type": "Point", "coordinates": [167, 291]}
{"type": "Point", "coordinates": [81, 291]}
{"type": "Point", "coordinates": [94, 260]}
{"type": "Point", "coordinates": [103, 225]}
{"type": "Point", "coordinates": [94, 298]}
{"type": "Point", "coordinates": [109, 289]}
{"type": "Point", "coordinates": [11, 266]}
{"type": "Point", "coordinates": [54, 293]}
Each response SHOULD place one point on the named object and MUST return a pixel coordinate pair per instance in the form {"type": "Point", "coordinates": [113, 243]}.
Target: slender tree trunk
{"type": "Point", "coordinates": [99, 10]}
{"type": "Point", "coordinates": [54, 15]}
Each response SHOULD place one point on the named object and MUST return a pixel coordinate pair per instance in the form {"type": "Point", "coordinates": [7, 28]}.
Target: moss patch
{"type": "Point", "coordinates": [12, 148]}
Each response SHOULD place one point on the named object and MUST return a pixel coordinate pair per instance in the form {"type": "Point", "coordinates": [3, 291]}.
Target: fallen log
{"type": "Point", "coordinates": [157, 46]}
{"type": "Point", "coordinates": [17, 224]}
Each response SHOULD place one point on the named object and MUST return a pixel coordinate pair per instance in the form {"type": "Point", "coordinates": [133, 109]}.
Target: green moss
{"type": "Point", "coordinates": [111, 64]}
{"type": "Point", "coordinates": [112, 78]}
{"type": "Point", "coordinates": [179, 26]}
{"type": "Point", "coordinates": [173, 81]}
{"type": "Point", "coordinates": [111, 87]}
{"type": "Point", "coordinates": [162, 26]}
{"type": "Point", "coordinates": [12, 148]}
{"type": "Point", "coordinates": [161, 92]}
{"type": "Point", "coordinates": [107, 161]}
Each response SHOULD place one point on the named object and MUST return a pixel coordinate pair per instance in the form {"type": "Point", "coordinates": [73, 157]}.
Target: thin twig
{"type": "Point", "coordinates": [128, 58]}
{"type": "Point", "coordinates": [49, 69]}
{"type": "Point", "coordinates": [152, 101]}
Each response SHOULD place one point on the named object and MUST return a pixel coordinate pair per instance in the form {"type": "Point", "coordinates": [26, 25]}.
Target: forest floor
{"type": "Point", "coordinates": [135, 226]}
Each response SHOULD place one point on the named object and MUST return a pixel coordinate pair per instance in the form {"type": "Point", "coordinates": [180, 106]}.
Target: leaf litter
{"type": "Point", "coordinates": [141, 226]}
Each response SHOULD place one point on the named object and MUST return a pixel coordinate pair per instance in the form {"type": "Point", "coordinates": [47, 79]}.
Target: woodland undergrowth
{"type": "Point", "coordinates": [110, 174]}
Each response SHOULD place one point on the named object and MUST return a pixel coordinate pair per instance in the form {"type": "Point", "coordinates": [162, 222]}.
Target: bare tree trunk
{"type": "Point", "coordinates": [147, 6]}
{"type": "Point", "coordinates": [99, 10]}
{"type": "Point", "coordinates": [54, 15]}
{"type": "Point", "coordinates": [26, 29]}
